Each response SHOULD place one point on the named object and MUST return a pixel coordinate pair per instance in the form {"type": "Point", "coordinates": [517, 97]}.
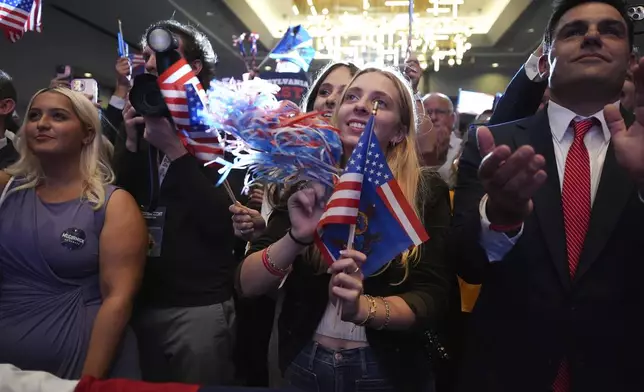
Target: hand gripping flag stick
{"type": "Point", "coordinates": [352, 227]}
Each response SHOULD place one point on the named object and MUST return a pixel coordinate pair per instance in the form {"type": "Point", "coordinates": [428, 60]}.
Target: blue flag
{"type": "Point", "coordinates": [295, 46]}
{"type": "Point", "coordinates": [369, 196]}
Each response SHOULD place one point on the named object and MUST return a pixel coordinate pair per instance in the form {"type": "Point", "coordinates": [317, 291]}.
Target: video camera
{"type": "Point", "coordinates": [636, 13]}
{"type": "Point", "coordinates": [145, 95]}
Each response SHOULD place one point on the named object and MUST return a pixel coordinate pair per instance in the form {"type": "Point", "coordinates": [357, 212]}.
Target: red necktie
{"type": "Point", "coordinates": [576, 212]}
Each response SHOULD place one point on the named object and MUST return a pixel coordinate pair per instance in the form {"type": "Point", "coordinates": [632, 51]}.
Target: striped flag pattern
{"type": "Point", "coordinates": [186, 100]}
{"type": "Point", "coordinates": [20, 16]}
{"type": "Point", "coordinates": [137, 62]}
{"type": "Point", "coordinates": [369, 196]}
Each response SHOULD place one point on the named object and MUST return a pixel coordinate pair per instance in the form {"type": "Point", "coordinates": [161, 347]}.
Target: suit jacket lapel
{"type": "Point", "coordinates": [615, 188]}
{"type": "Point", "coordinates": [547, 200]}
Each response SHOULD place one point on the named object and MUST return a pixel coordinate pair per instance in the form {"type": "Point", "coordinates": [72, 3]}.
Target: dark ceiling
{"type": "Point", "coordinates": [211, 16]}
{"type": "Point", "coordinates": [515, 45]}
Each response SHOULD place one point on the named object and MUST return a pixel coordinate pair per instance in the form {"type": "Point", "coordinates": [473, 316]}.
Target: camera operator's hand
{"type": "Point", "coordinates": [131, 120]}
{"type": "Point", "coordinates": [123, 71]}
{"type": "Point", "coordinates": [160, 133]}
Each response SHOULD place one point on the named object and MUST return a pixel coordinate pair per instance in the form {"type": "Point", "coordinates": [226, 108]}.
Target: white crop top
{"type": "Point", "coordinates": [339, 329]}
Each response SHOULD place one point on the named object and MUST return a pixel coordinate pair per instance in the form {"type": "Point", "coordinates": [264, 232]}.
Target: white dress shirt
{"type": "Point", "coordinates": [497, 244]}
{"type": "Point", "coordinates": [532, 69]}
{"type": "Point", "coordinates": [117, 102]}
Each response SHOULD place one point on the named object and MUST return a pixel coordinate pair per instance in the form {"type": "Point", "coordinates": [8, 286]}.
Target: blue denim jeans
{"type": "Point", "coordinates": [318, 369]}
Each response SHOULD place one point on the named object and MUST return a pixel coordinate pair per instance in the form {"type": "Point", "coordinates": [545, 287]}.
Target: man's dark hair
{"type": "Point", "coordinates": [196, 46]}
{"type": "Point", "coordinates": [560, 7]}
{"type": "Point", "coordinates": [8, 90]}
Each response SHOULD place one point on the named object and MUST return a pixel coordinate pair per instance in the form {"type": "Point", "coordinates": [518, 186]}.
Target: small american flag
{"type": "Point", "coordinates": [369, 196]}
{"type": "Point", "coordinates": [342, 207]}
{"type": "Point", "coordinates": [186, 100]}
{"type": "Point", "coordinates": [19, 16]}
{"type": "Point", "coordinates": [138, 63]}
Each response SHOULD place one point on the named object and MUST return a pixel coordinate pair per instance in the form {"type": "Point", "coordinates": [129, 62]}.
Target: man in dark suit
{"type": "Point", "coordinates": [8, 99]}
{"type": "Point", "coordinates": [552, 225]}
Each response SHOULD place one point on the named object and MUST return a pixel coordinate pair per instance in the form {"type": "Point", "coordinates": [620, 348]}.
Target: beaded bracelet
{"type": "Point", "coordinates": [270, 266]}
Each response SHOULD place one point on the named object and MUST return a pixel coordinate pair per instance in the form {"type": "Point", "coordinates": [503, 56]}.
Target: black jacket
{"type": "Point", "coordinates": [521, 99]}
{"type": "Point", "coordinates": [197, 261]}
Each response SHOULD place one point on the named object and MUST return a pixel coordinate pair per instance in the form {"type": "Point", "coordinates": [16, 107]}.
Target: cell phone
{"type": "Point", "coordinates": [63, 71]}
{"type": "Point", "coordinates": [89, 87]}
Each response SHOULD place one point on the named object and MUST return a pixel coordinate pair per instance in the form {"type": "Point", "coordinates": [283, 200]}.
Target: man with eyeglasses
{"type": "Point", "coordinates": [440, 110]}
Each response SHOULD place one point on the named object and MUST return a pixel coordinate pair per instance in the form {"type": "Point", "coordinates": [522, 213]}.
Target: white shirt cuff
{"type": "Point", "coordinates": [532, 69]}
{"type": "Point", "coordinates": [495, 243]}
{"type": "Point", "coordinates": [117, 102]}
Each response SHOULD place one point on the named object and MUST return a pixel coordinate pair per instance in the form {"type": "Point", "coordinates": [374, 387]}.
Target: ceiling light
{"type": "Point", "coordinates": [267, 68]}
{"type": "Point", "coordinates": [313, 11]}
{"type": "Point", "coordinates": [310, 2]}
{"type": "Point", "coordinates": [495, 65]}
{"type": "Point", "coordinates": [438, 10]}
{"type": "Point", "coordinates": [451, 62]}
{"type": "Point", "coordinates": [390, 3]}
{"type": "Point", "coordinates": [87, 75]}
{"type": "Point", "coordinates": [530, 30]}
{"type": "Point", "coordinates": [295, 10]}
{"type": "Point", "coordinates": [325, 11]}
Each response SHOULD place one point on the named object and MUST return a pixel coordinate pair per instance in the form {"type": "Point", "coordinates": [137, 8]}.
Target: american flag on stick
{"type": "Point", "coordinates": [137, 61]}
{"type": "Point", "coordinates": [368, 211]}
{"type": "Point", "coordinates": [20, 16]}
{"type": "Point", "coordinates": [186, 99]}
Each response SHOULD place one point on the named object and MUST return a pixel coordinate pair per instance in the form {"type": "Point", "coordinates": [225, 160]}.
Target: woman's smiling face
{"type": "Point", "coordinates": [355, 110]}
{"type": "Point", "coordinates": [331, 90]}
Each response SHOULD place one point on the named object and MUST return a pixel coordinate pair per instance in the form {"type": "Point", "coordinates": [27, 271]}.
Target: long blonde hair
{"type": "Point", "coordinates": [402, 158]}
{"type": "Point", "coordinates": [94, 159]}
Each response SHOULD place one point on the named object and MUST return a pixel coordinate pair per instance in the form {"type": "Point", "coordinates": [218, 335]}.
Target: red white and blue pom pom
{"type": "Point", "coordinates": [274, 140]}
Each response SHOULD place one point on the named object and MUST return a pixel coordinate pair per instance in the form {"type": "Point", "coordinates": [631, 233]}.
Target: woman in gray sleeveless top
{"type": "Point", "coordinates": [72, 247]}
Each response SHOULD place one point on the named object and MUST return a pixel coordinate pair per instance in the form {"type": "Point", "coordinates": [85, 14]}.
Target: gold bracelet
{"type": "Point", "coordinates": [387, 314]}
{"type": "Point", "coordinates": [372, 311]}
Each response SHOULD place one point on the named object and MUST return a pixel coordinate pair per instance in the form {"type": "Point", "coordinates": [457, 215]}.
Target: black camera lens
{"type": "Point", "coordinates": [161, 40]}
{"type": "Point", "coordinates": [146, 98]}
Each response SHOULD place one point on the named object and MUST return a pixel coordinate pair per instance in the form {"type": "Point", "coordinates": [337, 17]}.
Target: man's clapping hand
{"type": "Point", "coordinates": [510, 179]}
